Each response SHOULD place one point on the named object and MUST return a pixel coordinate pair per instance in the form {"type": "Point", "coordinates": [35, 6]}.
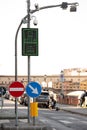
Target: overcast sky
{"type": "Point", "coordinates": [62, 37]}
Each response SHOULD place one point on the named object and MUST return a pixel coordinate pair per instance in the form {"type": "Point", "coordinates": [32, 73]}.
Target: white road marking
{"type": "Point", "coordinates": [44, 120]}
{"type": "Point", "coordinates": [23, 120]}
{"type": "Point", "coordinates": [19, 107]}
{"type": "Point", "coordinates": [54, 117]}
{"type": "Point", "coordinates": [53, 128]}
{"type": "Point", "coordinates": [47, 113]}
{"type": "Point", "coordinates": [72, 118]}
{"type": "Point", "coordinates": [85, 122]}
{"type": "Point", "coordinates": [66, 122]}
{"type": "Point", "coordinates": [4, 121]}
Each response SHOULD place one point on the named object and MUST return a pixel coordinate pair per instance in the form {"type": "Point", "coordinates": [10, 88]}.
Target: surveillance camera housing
{"type": "Point", "coordinates": [35, 22]}
{"type": "Point", "coordinates": [73, 9]}
{"type": "Point", "coordinates": [36, 6]}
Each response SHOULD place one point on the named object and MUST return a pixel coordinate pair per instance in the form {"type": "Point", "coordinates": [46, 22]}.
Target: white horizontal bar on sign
{"type": "Point", "coordinates": [16, 89]}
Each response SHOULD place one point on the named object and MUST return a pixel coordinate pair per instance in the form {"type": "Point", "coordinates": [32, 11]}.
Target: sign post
{"type": "Point", "coordinates": [33, 89]}
{"type": "Point", "coordinates": [16, 89]}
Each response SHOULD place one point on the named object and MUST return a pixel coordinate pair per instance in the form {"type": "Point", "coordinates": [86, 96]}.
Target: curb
{"type": "Point", "coordinates": [82, 114]}
{"type": "Point", "coordinates": [8, 117]}
{"type": "Point", "coordinates": [24, 127]}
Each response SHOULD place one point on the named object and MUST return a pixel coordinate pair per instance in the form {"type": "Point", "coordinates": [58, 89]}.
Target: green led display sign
{"type": "Point", "coordinates": [29, 41]}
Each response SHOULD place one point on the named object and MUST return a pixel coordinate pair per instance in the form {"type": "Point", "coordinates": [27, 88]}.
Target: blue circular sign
{"type": "Point", "coordinates": [33, 89]}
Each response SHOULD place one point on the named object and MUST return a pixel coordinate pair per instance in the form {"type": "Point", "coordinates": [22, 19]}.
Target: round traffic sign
{"type": "Point", "coordinates": [33, 89]}
{"type": "Point", "coordinates": [16, 89]}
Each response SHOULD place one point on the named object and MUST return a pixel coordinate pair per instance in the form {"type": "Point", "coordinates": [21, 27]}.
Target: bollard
{"type": "Point", "coordinates": [34, 109]}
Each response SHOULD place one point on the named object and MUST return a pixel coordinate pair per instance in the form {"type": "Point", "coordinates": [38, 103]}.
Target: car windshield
{"type": "Point", "coordinates": [44, 94]}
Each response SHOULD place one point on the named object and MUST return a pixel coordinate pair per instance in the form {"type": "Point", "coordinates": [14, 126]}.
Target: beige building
{"type": "Point", "coordinates": [72, 79]}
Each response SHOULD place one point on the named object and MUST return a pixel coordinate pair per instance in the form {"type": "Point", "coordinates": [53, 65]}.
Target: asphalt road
{"type": "Point", "coordinates": [58, 120]}
{"type": "Point", "coordinates": [63, 120]}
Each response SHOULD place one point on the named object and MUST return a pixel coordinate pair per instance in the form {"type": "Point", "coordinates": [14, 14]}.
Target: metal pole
{"type": "Point", "coordinates": [16, 70]}
{"type": "Point", "coordinates": [16, 114]}
{"type": "Point", "coordinates": [34, 100]}
{"type": "Point", "coordinates": [16, 75]}
{"type": "Point", "coordinates": [28, 26]}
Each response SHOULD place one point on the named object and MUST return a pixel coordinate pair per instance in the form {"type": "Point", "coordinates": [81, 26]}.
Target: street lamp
{"type": "Point", "coordinates": [61, 84]}
{"type": "Point", "coordinates": [64, 5]}
{"type": "Point", "coordinates": [27, 19]}
{"type": "Point", "coordinates": [79, 71]}
{"type": "Point", "coordinates": [45, 76]}
{"type": "Point", "coordinates": [62, 80]}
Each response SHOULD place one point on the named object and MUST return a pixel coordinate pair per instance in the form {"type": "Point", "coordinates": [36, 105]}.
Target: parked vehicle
{"type": "Point", "coordinates": [26, 100]}
{"type": "Point", "coordinates": [22, 98]}
{"type": "Point", "coordinates": [43, 99]}
{"type": "Point", "coordinates": [12, 98]}
{"type": "Point", "coordinates": [7, 95]}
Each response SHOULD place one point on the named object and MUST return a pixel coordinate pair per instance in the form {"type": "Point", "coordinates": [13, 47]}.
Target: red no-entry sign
{"type": "Point", "coordinates": [16, 89]}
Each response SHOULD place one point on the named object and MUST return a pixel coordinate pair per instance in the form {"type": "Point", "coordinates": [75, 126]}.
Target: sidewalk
{"type": "Point", "coordinates": [8, 118]}
{"type": "Point", "coordinates": [73, 109]}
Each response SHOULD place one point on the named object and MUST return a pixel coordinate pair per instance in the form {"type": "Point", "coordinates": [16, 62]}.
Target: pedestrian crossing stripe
{"type": "Point", "coordinates": [4, 121]}
{"type": "Point", "coordinates": [66, 122]}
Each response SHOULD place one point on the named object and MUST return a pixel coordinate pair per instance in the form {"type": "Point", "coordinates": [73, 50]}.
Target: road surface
{"type": "Point", "coordinates": [58, 120]}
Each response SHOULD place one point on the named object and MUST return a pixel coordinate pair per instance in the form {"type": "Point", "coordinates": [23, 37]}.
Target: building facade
{"type": "Point", "coordinates": [73, 80]}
